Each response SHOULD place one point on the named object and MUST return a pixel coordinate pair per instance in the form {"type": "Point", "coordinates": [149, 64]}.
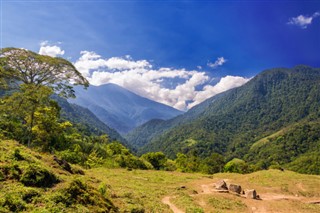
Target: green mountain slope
{"type": "Point", "coordinates": [86, 121]}
{"type": "Point", "coordinates": [143, 134]}
{"type": "Point", "coordinates": [230, 123]}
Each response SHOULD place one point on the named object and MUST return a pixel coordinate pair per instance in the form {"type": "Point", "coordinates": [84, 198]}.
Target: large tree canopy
{"type": "Point", "coordinates": [25, 66]}
{"type": "Point", "coordinates": [34, 78]}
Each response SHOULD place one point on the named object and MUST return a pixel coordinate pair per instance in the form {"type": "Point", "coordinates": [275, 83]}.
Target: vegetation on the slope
{"type": "Point", "coordinates": [85, 121]}
{"type": "Point", "coordinates": [39, 182]}
{"type": "Point", "coordinates": [31, 181]}
{"type": "Point", "coordinates": [232, 122]}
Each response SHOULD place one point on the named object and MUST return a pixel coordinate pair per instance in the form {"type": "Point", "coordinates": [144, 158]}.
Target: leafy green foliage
{"type": "Point", "coordinates": [237, 166]}
{"type": "Point", "coordinates": [21, 65]}
{"type": "Point", "coordinates": [157, 159]}
{"type": "Point", "coordinates": [38, 177]}
{"type": "Point", "coordinates": [231, 122]}
{"type": "Point", "coordinates": [295, 148]}
{"type": "Point", "coordinates": [85, 121]}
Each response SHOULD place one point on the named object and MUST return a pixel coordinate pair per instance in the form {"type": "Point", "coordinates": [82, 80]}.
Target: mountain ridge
{"type": "Point", "coordinates": [119, 108]}
{"type": "Point", "coordinates": [231, 122]}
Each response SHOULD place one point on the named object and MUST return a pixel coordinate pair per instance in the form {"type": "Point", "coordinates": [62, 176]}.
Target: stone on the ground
{"type": "Point", "coordinates": [221, 185]}
{"type": "Point", "coordinates": [251, 194]}
{"type": "Point", "coordinates": [235, 188]}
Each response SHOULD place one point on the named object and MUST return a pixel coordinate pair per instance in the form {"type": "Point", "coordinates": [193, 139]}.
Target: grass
{"type": "Point", "coordinates": [224, 204]}
{"type": "Point", "coordinates": [143, 190]}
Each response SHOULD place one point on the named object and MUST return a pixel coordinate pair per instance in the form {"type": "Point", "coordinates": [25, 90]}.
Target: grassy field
{"type": "Point", "coordinates": [121, 190]}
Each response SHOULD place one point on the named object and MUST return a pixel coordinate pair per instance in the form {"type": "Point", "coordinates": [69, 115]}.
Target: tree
{"type": "Point", "coordinates": [26, 105]}
{"type": "Point", "coordinates": [157, 159]}
{"type": "Point", "coordinates": [34, 78]}
{"type": "Point", "coordinates": [21, 65]}
{"type": "Point", "coordinates": [212, 164]}
{"type": "Point", "coordinates": [237, 165]}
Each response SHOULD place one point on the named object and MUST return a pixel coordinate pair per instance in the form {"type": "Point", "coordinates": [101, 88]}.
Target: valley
{"type": "Point", "coordinates": [56, 156]}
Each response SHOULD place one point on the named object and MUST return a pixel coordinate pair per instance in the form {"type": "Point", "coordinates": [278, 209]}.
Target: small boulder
{"type": "Point", "coordinates": [251, 194]}
{"type": "Point", "coordinates": [235, 188]}
{"type": "Point", "coordinates": [63, 163]}
{"type": "Point", "coordinates": [221, 185]}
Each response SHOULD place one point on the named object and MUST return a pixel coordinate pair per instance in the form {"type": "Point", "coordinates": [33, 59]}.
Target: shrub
{"type": "Point", "coordinates": [38, 177]}
{"type": "Point", "coordinates": [137, 210]}
{"type": "Point", "coordinates": [80, 193]}
{"type": "Point", "coordinates": [2, 177]}
{"type": "Point", "coordinates": [29, 195]}
{"type": "Point", "coordinates": [237, 166]}
{"type": "Point", "coordinates": [11, 172]}
{"type": "Point", "coordinates": [14, 203]}
{"type": "Point", "coordinates": [17, 155]}
{"type": "Point", "coordinates": [157, 159]}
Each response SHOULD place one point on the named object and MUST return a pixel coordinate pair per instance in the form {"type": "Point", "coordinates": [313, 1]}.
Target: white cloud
{"type": "Point", "coordinates": [225, 83]}
{"type": "Point", "coordinates": [141, 78]}
{"type": "Point", "coordinates": [303, 21]}
{"type": "Point", "coordinates": [53, 51]}
{"type": "Point", "coordinates": [219, 62]}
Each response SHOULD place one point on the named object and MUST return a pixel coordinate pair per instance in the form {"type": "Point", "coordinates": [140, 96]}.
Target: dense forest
{"type": "Point", "coordinates": [277, 100]}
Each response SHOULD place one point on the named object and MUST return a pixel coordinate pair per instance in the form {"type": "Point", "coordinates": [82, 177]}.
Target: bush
{"type": "Point", "coordinates": [237, 166]}
{"type": "Point", "coordinates": [29, 195]}
{"type": "Point", "coordinates": [14, 203]}
{"type": "Point", "coordinates": [137, 210]}
{"type": "Point", "coordinates": [38, 177]}
{"type": "Point", "coordinates": [11, 172]}
{"type": "Point", "coordinates": [157, 159]}
{"type": "Point", "coordinates": [71, 156]}
{"type": "Point", "coordinates": [17, 155]}
{"type": "Point", "coordinates": [2, 177]}
{"type": "Point", "coordinates": [80, 193]}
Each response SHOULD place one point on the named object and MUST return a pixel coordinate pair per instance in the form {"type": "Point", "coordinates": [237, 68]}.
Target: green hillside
{"type": "Point", "coordinates": [233, 121]}
{"type": "Point", "coordinates": [32, 181]}
{"type": "Point", "coordinates": [86, 121]}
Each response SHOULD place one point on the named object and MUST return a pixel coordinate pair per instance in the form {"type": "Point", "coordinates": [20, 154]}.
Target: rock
{"type": "Point", "coordinates": [251, 194]}
{"type": "Point", "coordinates": [63, 163]}
{"type": "Point", "coordinates": [221, 185]}
{"type": "Point", "coordinates": [235, 188]}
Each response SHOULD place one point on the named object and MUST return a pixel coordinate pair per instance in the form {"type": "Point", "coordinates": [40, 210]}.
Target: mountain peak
{"type": "Point", "coordinates": [120, 108]}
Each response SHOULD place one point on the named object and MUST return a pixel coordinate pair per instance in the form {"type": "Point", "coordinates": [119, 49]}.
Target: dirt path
{"type": "Point", "coordinates": [206, 189]}
{"type": "Point", "coordinates": [166, 200]}
{"type": "Point", "coordinates": [254, 206]}
{"type": "Point", "coordinates": [273, 196]}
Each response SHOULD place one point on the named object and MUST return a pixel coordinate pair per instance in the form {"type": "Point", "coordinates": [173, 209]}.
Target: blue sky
{"type": "Point", "coordinates": [215, 38]}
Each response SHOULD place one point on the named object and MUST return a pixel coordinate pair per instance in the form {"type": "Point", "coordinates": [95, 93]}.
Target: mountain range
{"type": "Point", "coordinates": [119, 108]}
{"type": "Point", "coordinates": [247, 121]}
{"type": "Point", "coordinates": [86, 121]}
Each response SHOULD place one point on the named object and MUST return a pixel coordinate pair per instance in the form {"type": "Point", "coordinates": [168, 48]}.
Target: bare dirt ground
{"type": "Point", "coordinates": [255, 206]}
{"type": "Point", "coordinates": [166, 200]}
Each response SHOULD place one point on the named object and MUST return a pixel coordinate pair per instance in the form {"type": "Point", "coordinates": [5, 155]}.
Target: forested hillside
{"type": "Point", "coordinates": [86, 121]}
{"type": "Point", "coordinates": [233, 121]}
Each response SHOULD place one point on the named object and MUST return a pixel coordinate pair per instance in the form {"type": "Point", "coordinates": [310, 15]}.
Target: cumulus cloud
{"type": "Point", "coordinates": [140, 77]}
{"type": "Point", "coordinates": [303, 21]}
{"type": "Point", "coordinates": [225, 83]}
{"type": "Point", "coordinates": [219, 62]}
{"type": "Point", "coordinates": [53, 51]}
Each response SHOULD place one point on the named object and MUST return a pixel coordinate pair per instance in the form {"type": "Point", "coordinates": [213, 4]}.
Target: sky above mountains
{"type": "Point", "coordinates": [175, 52]}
